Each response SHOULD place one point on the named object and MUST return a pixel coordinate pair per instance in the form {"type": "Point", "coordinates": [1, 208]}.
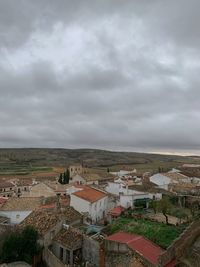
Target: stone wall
{"type": "Point", "coordinates": [51, 260]}
{"type": "Point", "coordinates": [47, 240]}
{"type": "Point", "coordinates": [181, 245]}
{"type": "Point", "coordinates": [114, 259]}
{"type": "Point", "coordinates": [91, 251]}
{"type": "Point", "coordinates": [120, 255]}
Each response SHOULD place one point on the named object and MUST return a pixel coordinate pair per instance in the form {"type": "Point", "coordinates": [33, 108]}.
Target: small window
{"type": "Point", "coordinates": [17, 216]}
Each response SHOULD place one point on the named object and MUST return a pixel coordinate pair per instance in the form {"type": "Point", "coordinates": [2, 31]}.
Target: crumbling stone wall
{"type": "Point", "coordinates": [123, 260]}
{"type": "Point", "coordinates": [91, 251]}
{"type": "Point", "coordinates": [120, 255]}
{"type": "Point", "coordinates": [51, 260]}
{"type": "Point", "coordinates": [181, 245]}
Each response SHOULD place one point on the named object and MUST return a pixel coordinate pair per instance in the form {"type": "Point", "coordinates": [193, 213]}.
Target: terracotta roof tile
{"type": "Point", "coordinates": [22, 203]}
{"type": "Point", "coordinates": [44, 220]}
{"type": "Point", "coordinates": [69, 238]}
{"type": "Point", "coordinates": [116, 211]}
{"type": "Point", "coordinates": [90, 194]}
{"type": "Point", "coordinates": [138, 243]}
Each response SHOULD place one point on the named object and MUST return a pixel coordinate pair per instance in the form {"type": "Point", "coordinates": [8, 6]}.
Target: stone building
{"type": "Point", "coordinates": [48, 223]}
{"type": "Point", "coordinates": [67, 246]}
{"type": "Point", "coordinates": [75, 169]}
{"type": "Point", "coordinates": [7, 189]}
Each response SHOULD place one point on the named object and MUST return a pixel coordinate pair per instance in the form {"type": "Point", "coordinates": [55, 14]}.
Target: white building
{"type": "Point", "coordinates": [122, 173]}
{"type": "Point", "coordinates": [174, 170]}
{"type": "Point", "coordinates": [85, 179]}
{"type": "Point", "coordinates": [90, 201]}
{"type": "Point", "coordinates": [162, 180]}
{"type": "Point", "coordinates": [7, 189]}
{"type": "Point", "coordinates": [127, 197]}
{"type": "Point", "coordinates": [16, 209]}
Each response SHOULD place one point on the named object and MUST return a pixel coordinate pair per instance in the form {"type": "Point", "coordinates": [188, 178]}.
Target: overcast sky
{"type": "Point", "coordinates": [115, 74]}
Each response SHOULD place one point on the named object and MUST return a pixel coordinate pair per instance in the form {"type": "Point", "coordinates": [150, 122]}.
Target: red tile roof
{"type": "Point", "coordinates": [138, 243]}
{"type": "Point", "coordinates": [3, 200]}
{"type": "Point", "coordinates": [90, 194]}
{"type": "Point", "coordinates": [116, 211]}
{"type": "Point", "coordinates": [122, 237]}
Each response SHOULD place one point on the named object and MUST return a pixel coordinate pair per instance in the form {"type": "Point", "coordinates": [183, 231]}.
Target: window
{"type": "Point", "coordinates": [17, 216]}
{"type": "Point", "coordinates": [61, 253]}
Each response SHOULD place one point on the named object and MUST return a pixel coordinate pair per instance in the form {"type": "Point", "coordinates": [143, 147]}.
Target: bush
{"type": "Point", "coordinates": [20, 246]}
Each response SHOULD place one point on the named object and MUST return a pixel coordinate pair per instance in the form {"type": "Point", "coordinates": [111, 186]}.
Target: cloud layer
{"type": "Point", "coordinates": [103, 74]}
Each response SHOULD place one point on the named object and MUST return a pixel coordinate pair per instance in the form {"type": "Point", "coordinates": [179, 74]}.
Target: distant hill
{"type": "Point", "coordinates": [89, 157]}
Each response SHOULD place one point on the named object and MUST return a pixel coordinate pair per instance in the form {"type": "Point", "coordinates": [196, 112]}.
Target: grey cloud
{"type": "Point", "coordinates": [132, 84]}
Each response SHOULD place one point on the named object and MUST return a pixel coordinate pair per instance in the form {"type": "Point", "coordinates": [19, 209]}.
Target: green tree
{"type": "Point", "coordinates": [66, 177]}
{"type": "Point", "coordinates": [30, 246]}
{"type": "Point", "coordinates": [164, 207]}
{"type": "Point", "coordinates": [60, 180]}
{"type": "Point", "coordinates": [181, 214]}
{"type": "Point", "coordinates": [154, 205]}
{"type": "Point", "coordinates": [20, 246]}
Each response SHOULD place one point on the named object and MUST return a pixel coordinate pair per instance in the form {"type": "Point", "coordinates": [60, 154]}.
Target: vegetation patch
{"type": "Point", "coordinates": [159, 233]}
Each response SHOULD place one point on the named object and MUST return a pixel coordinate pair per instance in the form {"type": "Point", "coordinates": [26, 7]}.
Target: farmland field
{"type": "Point", "coordinates": [38, 160]}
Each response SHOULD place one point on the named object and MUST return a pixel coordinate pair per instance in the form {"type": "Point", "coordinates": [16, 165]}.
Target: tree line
{"type": "Point", "coordinates": [64, 177]}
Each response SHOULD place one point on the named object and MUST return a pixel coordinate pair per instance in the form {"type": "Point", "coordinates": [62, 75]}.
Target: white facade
{"type": "Point", "coordinates": [116, 188]}
{"type": "Point", "coordinates": [15, 217]}
{"type": "Point", "coordinates": [128, 196]}
{"type": "Point", "coordinates": [78, 179]}
{"type": "Point", "coordinates": [122, 173]}
{"type": "Point", "coordinates": [127, 201]}
{"type": "Point", "coordinates": [96, 210]}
